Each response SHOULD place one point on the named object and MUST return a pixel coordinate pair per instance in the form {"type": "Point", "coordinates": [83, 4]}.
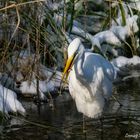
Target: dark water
{"type": "Point", "coordinates": [63, 122]}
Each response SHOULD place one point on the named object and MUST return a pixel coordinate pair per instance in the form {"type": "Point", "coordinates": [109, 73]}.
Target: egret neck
{"type": "Point", "coordinates": [79, 63]}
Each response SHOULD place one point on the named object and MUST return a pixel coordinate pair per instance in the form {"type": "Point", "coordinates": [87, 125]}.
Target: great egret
{"type": "Point", "coordinates": [90, 79]}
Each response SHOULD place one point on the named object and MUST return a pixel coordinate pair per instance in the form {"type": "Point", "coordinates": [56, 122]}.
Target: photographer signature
{"type": "Point", "coordinates": [135, 136]}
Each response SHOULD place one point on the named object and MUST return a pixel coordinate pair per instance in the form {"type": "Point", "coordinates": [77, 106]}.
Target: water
{"type": "Point", "coordinates": [62, 121]}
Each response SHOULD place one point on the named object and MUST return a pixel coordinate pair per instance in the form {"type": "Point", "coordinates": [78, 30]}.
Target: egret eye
{"type": "Point", "coordinates": [76, 53]}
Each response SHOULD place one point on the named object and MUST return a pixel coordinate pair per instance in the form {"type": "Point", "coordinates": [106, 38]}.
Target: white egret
{"type": "Point", "coordinates": [90, 79]}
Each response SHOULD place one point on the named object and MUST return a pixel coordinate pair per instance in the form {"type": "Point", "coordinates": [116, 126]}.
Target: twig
{"type": "Point", "coordinates": [20, 4]}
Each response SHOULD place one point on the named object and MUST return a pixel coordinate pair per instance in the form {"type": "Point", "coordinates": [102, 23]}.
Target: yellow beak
{"type": "Point", "coordinates": [68, 66]}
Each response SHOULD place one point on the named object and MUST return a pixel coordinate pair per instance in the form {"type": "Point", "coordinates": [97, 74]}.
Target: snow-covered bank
{"type": "Point", "coordinates": [9, 102]}
{"type": "Point", "coordinates": [50, 84]}
{"type": "Point", "coordinates": [126, 68]}
{"type": "Point", "coordinates": [122, 61]}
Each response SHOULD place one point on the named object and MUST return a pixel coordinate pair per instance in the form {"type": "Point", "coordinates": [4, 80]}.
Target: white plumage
{"type": "Point", "coordinates": [90, 79]}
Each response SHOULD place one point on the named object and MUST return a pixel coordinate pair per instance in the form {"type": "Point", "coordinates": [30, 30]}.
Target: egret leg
{"type": "Point", "coordinates": [117, 100]}
{"type": "Point", "coordinates": [84, 125]}
{"type": "Point", "coordinates": [101, 121]}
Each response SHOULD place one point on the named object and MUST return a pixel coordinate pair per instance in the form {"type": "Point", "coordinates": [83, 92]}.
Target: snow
{"type": "Point", "coordinates": [9, 102]}
{"type": "Point", "coordinates": [122, 61]}
{"type": "Point", "coordinates": [27, 87]}
{"type": "Point", "coordinates": [50, 84]}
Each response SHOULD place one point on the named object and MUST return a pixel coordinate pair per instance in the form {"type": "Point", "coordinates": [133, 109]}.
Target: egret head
{"type": "Point", "coordinates": [72, 52]}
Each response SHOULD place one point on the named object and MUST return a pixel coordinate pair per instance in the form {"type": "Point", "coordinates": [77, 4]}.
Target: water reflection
{"type": "Point", "coordinates": [64, 122]}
